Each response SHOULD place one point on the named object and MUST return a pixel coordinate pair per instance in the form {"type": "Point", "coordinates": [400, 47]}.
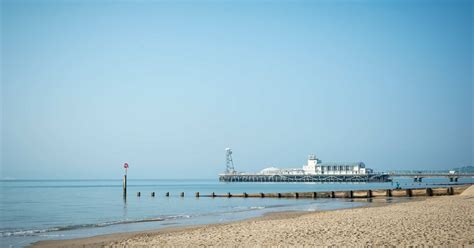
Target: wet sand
{"type": "Point", "coordinates": [434, 221]}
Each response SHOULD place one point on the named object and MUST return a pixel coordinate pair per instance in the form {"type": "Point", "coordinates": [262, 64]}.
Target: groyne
{"type": "Point", "coordinates": [408, 192]}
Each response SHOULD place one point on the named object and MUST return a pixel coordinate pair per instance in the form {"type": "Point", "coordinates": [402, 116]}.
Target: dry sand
{"type": "Point", "coordinates": [436, 221]}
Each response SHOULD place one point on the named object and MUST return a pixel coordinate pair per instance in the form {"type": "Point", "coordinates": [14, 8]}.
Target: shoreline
{"type": "Point", "coordinates": [123, 239]}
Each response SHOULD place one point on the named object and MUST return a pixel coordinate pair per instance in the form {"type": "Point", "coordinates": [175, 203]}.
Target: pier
{"type": "Point", "coordinates": [304, 178]}
{"type": "Point", "coordinates": [420, 174]}
{"type": "Point", "coordinates": [417, 176]}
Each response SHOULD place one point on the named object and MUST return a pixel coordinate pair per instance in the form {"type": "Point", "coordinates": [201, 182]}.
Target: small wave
{"type": "Point", "coordinates": [37, 232]}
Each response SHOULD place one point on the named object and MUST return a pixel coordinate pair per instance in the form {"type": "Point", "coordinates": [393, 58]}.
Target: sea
{"type": "Point", "coordinates": [34, 210]}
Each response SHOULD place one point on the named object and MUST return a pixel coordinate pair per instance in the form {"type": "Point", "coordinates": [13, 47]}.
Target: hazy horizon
{"type": "Point", "coordinates": [167, 85]}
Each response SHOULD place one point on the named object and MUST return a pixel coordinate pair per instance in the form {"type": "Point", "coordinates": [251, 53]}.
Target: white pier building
{"type": "Point", "coordinates": [314, 171]}
{"type": "Point", "coordinates": [315, 166]}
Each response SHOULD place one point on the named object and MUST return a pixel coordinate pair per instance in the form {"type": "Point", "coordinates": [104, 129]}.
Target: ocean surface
{"type": "Point", "coordinates": [33, 210]}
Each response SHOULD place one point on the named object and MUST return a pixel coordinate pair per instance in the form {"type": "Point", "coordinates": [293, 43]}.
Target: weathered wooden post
{"type": "Point", "coordinates": [138, 194]}
{"type": "Point", "coordinates": [297, 195]}
{"type": "Point", "coordinates": [182, 194]}
{"type": "Point", "coordinates": [167, 194]}
{"type": "Point", "coordinates": [196, 194]}
{"type": "Point", "coordinates": [125, 165]}
{"type": "Point", "coordinates": [350, 194]}
{"type": "Point", "coordinates": [429, 192]}
{"type": "Point", "coordinates": [450, 191]}
{"type": "Point", "coordinates": [124, 184]}
{"type": "Point", "coordinates": [152, 194]}
{"type": "Point", "coordinates": [315, 194]}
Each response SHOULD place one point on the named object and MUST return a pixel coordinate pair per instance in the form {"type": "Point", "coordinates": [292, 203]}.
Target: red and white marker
{"type": "Point", "coordinates": [125, 165]}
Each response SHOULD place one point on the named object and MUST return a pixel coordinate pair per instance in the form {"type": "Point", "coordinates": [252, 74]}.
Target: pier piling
{"type": "Point", "coordinates": [152, 194]}
{"type": "Point", "coordinates": [167, 194]}
{"type": "Point", "coordinates": [196, 194]}
{"type": "Point", "coordinates": [138, 194]}
{"type": "Point", "coordinates": [182, 194]}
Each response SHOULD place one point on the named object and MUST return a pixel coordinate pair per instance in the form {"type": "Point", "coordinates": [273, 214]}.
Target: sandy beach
{"type": "Point", "coordinates": [434, 221]}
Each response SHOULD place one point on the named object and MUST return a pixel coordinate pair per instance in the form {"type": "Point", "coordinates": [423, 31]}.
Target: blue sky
{"type": "Point", "coordinates": [168, 85]}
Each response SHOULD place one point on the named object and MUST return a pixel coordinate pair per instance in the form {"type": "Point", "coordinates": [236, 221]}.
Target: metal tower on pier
{"type": "Point", "coordinates": [229, 163]}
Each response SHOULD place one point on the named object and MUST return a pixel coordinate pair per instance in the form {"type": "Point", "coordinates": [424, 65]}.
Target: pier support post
{"type": "Point", "coordinates": [196, 194]}
{"type": "Point", "coordinates": [369, 193]}
{"type": "Point", "coordinates": [332, 194]}
{"type": "Point", "coordinates": [279, 195]}
{"type": "Point", "coordinates": [408, 192]}
{"type": "Point", "coordinates": [297, 195]}
{"type": "Point", "coordinates": [389, 193]}
{"type": "Point", "coordinates": [152, 194]}
{"type": "Point", "coordinates": [167, 194]}
{"type": "Point", "coordinates": [315, 194]}
{"type": "Point", "coordinates": [182, 194]}
{"type": "Point", "coordinates": [350, 194]}
{"type": "Point", "coordinates": [213, 194]}
{"type": "Point", "coordinates": [138, 194]}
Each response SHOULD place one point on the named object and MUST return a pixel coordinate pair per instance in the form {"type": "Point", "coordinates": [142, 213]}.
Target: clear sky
{"type": "Point", "coordinates": [168, 85]}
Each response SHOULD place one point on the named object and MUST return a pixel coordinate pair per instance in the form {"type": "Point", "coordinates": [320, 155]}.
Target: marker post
{"type": "Point", "coordinates": [125, 165]}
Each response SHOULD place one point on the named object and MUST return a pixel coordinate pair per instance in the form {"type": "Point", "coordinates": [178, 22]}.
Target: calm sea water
{"type": "Point", "coordinates": [33, 210]}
